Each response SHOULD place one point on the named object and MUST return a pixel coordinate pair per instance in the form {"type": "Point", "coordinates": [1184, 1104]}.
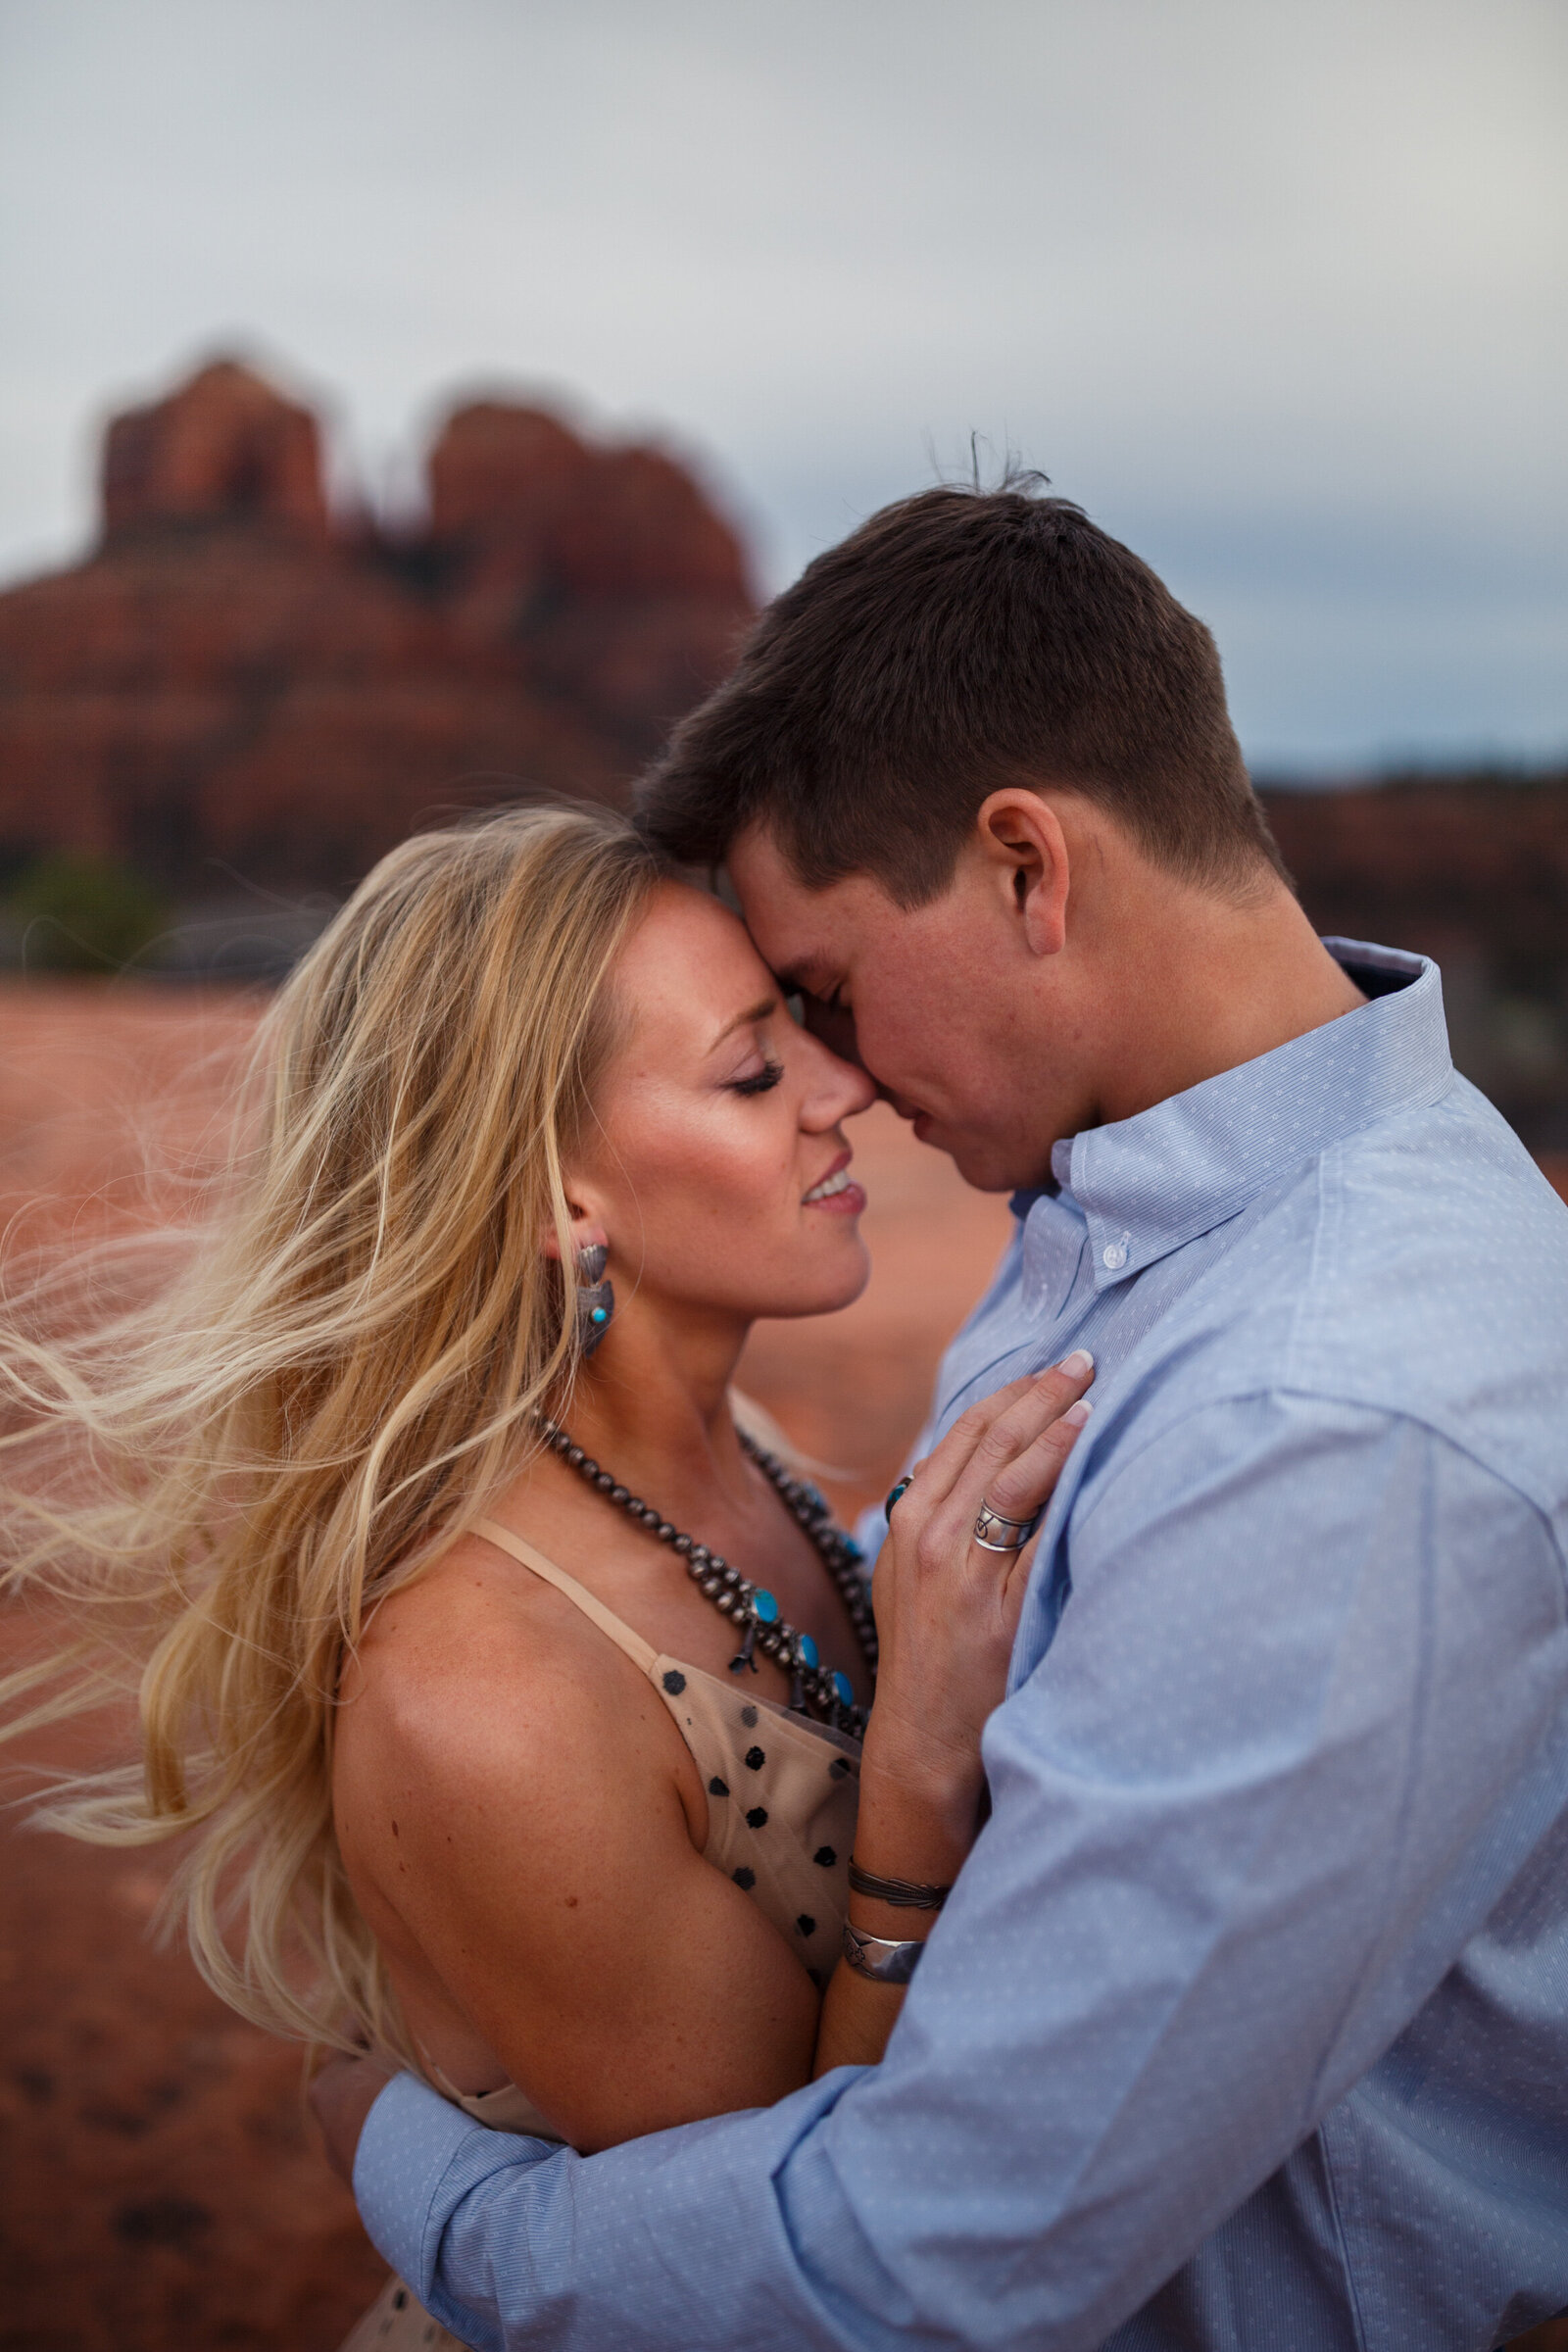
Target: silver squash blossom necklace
{"type": "Point", "coordinates": [813, 1691]}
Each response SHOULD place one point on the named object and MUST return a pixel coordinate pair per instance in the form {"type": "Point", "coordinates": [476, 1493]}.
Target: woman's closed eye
{"type": "Point", "coordinates": [757, 1082]}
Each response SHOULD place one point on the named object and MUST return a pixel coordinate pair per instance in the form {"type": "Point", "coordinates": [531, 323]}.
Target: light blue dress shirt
{"type": "Point", "coordinates": [1246, 2027]}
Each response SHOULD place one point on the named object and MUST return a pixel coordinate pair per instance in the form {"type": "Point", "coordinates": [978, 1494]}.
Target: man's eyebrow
{"type": "Point", "coordinates": [744, 1020]}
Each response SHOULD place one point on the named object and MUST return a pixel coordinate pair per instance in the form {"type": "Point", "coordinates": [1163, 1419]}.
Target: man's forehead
{"type": "Point", "coordinates": [794, 925]}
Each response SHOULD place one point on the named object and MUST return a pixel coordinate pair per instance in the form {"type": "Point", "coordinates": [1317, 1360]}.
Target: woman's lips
{"type": "Point", "coordinates": [848, 1201]}
{"type": "Point", "coordinates": [837, 1192]}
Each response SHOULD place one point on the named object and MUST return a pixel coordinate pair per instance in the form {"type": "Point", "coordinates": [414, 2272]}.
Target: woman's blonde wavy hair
{"type": "Point", "coordinates": [221, 1483]}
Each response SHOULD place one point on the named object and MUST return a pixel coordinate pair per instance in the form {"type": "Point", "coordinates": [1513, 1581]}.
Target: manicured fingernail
{"type": "Point", "coordinates": [1077, 1364]}
{"type": "Point", "coordinates": [1077, 1414]}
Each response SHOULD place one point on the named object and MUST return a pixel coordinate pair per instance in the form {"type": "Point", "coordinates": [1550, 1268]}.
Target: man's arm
{"type": "Point", "coordinates": [1271, 1775]}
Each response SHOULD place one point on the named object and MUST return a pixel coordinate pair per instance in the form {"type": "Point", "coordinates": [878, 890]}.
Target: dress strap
{"type": "Point", "coordinates": [641, 1653]}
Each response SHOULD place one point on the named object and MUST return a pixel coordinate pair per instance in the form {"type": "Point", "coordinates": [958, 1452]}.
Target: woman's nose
{"type": "Point", "coordinates": [837, 1090]}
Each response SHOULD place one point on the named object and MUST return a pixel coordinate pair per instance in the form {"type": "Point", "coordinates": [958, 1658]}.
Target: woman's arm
{"type": "Point", "coordinates": [522, 1827]}
{"type": "Point", "coordinates": [947, 1611]}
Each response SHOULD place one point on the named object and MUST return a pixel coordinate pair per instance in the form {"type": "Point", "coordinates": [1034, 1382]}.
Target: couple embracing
{"type": "Point", "coordinates": [1175, 1954]}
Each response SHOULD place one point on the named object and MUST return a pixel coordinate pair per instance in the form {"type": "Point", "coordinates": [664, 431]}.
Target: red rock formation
{"type": "Point", "coordinates": [225, 447]}
{"type": "Point", "coordinates": [608, 562]}
{"type": "Point", "coordinates": [1454, 858]}
{"type": "Point", "coordinates": [513, 487]}
{"type": "Point", "coordinates": [233, 685]}
{"type": "Point", "coordinates": [1473, 872]}
{"type": "Point", "coordinates": [500, 477]}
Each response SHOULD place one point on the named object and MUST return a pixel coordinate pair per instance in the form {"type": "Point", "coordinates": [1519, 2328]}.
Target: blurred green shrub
{"type": "Point", "coordinates": [71, 914]}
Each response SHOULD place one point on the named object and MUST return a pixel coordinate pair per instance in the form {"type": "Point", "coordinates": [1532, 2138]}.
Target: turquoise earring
{"type": "Point", "coordinates": [596, 1298]}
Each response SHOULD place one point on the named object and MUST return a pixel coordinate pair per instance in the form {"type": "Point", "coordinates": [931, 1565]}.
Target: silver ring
{"type": "Point", "coordinates": [990, 1522]}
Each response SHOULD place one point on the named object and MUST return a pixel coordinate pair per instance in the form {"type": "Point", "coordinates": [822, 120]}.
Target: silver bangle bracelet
{"type": "Point", "coordinates": [879, 1958]}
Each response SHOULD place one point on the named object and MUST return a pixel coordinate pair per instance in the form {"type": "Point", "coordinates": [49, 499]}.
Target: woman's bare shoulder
{"type": "Point", "coordinates": [476, 1665]}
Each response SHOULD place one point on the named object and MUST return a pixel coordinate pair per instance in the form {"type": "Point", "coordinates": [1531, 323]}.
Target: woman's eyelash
{"type": "Point", "coordinates": [761, 1082]}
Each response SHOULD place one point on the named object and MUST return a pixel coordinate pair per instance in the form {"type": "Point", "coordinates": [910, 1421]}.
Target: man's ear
{"type": "Point", "coordinates": [1020, 835]}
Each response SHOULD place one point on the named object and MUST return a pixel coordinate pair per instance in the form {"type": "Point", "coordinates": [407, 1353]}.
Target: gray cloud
{"type": "Point", "coordinates": [1276, 291]}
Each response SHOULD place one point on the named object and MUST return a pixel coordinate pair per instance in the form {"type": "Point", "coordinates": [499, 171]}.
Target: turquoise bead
{"type": "Point", "coordinates": [806, 1649]}
{"type": "Point", "coordinates": [844, 1690]}
{"type": "Point", "coordinates": [599, 1315]}
{"type": "Point", "coordinates": [764, 1608]}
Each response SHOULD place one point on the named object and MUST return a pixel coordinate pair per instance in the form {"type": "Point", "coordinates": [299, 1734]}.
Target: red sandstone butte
{"type": "Point", "coordinates": [237, 684]}
{"type": "Point", "coordinates": [224, 445]}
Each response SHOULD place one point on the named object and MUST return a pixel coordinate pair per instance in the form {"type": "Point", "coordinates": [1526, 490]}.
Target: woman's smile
{"type": "Point", "coordinates": [837, 1190]}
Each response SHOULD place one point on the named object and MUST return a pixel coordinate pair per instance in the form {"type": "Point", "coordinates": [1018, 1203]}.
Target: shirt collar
{"type": "Point", "coordinates": [1148, 1184]}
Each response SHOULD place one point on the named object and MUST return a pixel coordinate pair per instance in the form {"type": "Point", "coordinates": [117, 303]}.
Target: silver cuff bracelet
{"type": "Point", "coordinates": [877, 1957]}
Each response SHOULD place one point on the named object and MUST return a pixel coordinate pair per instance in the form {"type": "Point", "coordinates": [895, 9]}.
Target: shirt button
{"type": "Point", "coordinates": [1113, 1256]}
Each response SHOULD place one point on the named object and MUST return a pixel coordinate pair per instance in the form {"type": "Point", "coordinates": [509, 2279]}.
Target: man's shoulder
{"type": "Point", "coordinates": [1441, 1246]}
{"type": "Point", "coordinates": [1455, 1164]}
{"type": "Point", "coordinates": [1418, 1268]}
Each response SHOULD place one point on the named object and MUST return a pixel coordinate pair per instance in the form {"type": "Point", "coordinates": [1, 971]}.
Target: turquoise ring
{"type": "Point", "coordinates": [893, 1495]}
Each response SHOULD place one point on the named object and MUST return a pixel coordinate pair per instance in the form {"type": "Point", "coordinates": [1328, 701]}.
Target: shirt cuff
{"type": "Point", "coordinates": [407, 2148]}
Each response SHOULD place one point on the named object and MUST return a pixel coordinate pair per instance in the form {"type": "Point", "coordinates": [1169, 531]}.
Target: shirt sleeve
{"type": "Point", "coordinates": [1280, 1760]}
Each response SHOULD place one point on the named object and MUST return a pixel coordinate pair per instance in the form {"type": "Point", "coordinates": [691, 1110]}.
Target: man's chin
{"type": "Point", "coordinates": [985, 1165]}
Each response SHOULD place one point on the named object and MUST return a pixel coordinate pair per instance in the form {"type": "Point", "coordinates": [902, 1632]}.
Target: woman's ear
{"type": "Point", "coordinates": [586, 1232]}
{"type": "Point", "coordinates": [1020, 837]}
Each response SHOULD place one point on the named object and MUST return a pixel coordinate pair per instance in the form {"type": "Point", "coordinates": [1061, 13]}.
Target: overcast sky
{"type": "Point", "coordinates": [1274, 287]}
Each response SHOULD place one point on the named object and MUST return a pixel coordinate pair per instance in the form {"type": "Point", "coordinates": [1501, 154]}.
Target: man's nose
{"type": "Point", "coordinates": [833, 1025]}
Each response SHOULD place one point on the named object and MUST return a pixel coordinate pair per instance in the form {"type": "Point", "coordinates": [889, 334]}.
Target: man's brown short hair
{"type": "Point", "coordinates": [956, 642]}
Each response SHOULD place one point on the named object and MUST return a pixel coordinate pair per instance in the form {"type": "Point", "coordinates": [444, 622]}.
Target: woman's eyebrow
{"type": "Point", "coordinates": [745, 1020]}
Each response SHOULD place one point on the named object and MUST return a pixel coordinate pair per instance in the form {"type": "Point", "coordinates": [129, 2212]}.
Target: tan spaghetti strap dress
{"type": "Point", "coordinates": [781, 1801]}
